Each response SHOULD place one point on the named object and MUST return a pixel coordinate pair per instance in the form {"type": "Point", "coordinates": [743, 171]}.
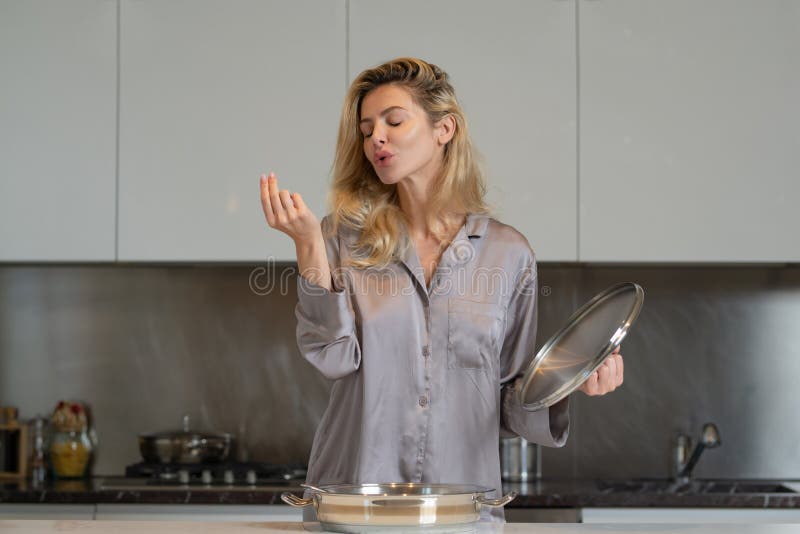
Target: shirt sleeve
{"type": "Point", "coordinates": [548, 426]}
{"type": "Point", "coordinates": [326, 334]}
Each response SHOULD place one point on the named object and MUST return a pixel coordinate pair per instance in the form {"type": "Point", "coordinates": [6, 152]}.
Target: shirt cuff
{"type": "Point", "coordinates": [548, 426]}
{"type": "Point", "coordinates": [328, 310]}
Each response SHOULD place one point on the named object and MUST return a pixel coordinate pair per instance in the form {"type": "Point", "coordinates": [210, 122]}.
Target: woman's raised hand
{"type": "Point", "coordinates": [287, 212]}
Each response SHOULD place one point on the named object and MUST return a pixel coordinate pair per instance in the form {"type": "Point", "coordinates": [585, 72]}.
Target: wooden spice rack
{"type": "Point", "coordinates": [16, 434]}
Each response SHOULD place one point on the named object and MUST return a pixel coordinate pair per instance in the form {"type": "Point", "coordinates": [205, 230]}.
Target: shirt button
{"type": "Point", "coordinates": [423, 400]}
{"type": "Point", "coordinates": [426, 351]}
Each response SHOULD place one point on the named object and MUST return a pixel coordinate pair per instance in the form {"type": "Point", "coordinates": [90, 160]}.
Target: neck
{"type": "Point", "coordinates": [415, 203]}
{"type": "Point", "coordinates": [414, 193]}
{"type": "Point", "coordinates": [415, 210]}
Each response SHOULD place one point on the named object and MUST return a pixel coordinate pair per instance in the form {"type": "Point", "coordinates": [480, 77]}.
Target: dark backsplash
{"type": "Point", "coordinates": [145, 344]}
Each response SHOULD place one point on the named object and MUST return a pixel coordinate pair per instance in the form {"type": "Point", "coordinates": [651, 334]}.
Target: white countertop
{"type": "Point", "coordinates": [29, 526]}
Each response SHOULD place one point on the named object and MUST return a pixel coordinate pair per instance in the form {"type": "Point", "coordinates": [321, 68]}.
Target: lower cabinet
{"type": "Point", "coordinates": [152, 512]}
{"type": "Point", "coordinates": [690, 515]}
{"type": "Point", "coordinates": [77, 512]}
{"type": "Point", "coordinates": [543, 515]}
{"type": "Point", "coordinates": [283, 513]}
{"type": "Point", "coordinates": [198, 512]}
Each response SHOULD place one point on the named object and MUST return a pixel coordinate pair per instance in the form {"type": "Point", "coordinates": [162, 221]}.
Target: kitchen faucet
{"type": "Point", "coordinates": [709, 440]}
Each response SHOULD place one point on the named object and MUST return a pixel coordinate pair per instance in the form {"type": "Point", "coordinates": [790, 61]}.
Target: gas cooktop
{"type": "Point", "coordinates": [213, 476]}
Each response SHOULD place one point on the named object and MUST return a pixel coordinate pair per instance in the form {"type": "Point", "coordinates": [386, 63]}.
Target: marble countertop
{"type": "Point", "coordinates": [176, 527]}
{"type": "Point", "coordinates": [580, 493]}
{"type": "Point", "coordinates": [547, 493]}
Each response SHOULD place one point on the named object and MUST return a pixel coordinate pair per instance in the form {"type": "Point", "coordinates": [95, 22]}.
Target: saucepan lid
{"type": "Point", "coordinates": [570, 357]}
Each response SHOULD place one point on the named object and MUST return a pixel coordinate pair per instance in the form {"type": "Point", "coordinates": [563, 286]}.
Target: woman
{"type": "Point", "coordinates": [418, 305]}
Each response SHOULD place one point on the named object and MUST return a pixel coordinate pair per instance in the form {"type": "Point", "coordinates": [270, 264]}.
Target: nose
{"type": "Point", "coordinates": [378, 136]}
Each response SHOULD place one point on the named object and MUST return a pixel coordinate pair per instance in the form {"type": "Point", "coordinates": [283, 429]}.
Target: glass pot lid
{"type": "Point", "coordinates": [579, 348]}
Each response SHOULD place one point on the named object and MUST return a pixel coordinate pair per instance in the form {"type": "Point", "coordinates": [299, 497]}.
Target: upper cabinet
{"type": "Point", "coordinates": [58, 93]}
{"type": "Point", "coordinates": [612, 130]}
{"type": "Point", "coordinates": [689, 145]}
{"type": "Point", "coordinates": [512, 64]}
{"type": "Point", "coordinates": [212, 95]}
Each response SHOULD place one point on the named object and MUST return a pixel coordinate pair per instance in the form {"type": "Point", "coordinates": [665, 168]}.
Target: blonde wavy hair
{"type": "Point", "coordinates": [360, 201]}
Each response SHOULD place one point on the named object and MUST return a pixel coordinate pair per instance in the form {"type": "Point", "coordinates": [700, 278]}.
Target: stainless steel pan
{"type": "Point", "coordinates": [357, 508]}
{"type": "Point", "coordinates": [185, 446]}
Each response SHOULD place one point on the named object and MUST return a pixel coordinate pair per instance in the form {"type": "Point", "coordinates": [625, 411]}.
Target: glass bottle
{"type": "Point", "coordinates": [70, 452]}
{"type": "Point", "coordinates": [38, 460]}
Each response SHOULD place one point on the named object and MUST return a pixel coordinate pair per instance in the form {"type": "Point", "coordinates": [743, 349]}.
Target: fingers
{"type": "Point", "coordinates": [287, 203]}
{"type": "Point", "coordinates": [275, 200]}
{"type": "Point", "coordinates": [590, 386]}
{"type": "Point", "coordinates": [607, 377]}
{"type": "Point", "coordinates": [299, 204]}
{"type": "Point", "coordinates": [611, 361]}
{"type": "Point", "coordinates": [281, 207]}
{"type": "Point", "coordinates": [604, 377]}
{"type": "Point", "coordinates": [266, 204]}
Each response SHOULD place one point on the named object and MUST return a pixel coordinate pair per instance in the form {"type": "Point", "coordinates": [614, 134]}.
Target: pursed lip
{"type": "Point", "coordinates": [382, 157]}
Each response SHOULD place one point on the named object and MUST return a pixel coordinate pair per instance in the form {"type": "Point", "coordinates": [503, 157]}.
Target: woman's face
{"type": "Point", "coordinates": [399, 140]}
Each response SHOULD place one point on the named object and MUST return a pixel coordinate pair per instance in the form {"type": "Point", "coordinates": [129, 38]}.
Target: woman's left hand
{"type": "Point", "coordinates": [607, 378]}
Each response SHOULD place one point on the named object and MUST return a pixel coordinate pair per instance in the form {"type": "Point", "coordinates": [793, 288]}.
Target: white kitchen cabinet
{"type": "Point", "coordinates": [198, 512]}
{"type": "Point", "coordinates": [689, 146]}
{"type": "Point", "coordinates": [58, 65]}
{"type": "Point", "coordinates": [78, 512]}
{"type": "Point", "coordinates": [512, 64]}
{"type": "Point", "coordinates": [690, 515]}
{"type": "Point", "coordinates": [212, 95]}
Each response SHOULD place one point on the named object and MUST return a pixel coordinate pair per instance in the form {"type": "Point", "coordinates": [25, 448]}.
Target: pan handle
{"type": "Point", "coordinates": [313, 488]}
{"type": "Point", "coordinates": [293, 500]}
{"type": "Point", "coordinates": [502, 501]}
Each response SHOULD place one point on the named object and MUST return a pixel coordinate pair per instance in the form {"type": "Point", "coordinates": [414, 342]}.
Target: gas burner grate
{"type": "Point", "coordinates": [236, 473]}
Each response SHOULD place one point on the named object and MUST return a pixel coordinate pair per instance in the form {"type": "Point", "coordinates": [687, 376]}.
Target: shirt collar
{"type": "Point", "coordinates": [476, 224]}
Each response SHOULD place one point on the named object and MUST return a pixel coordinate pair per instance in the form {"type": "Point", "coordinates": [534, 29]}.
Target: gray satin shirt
{"type": "Point", "coordinates": [424, 376]}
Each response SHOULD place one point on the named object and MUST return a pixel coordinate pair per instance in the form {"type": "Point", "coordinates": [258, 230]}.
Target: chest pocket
{"type": "Point", "coordinates": [474, 334]}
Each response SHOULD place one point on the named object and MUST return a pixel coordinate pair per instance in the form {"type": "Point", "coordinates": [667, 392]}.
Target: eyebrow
{"type": "Point", "coordinates": [384, 112]}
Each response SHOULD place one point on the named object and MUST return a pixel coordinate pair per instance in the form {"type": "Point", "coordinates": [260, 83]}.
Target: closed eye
{"type": "Point", "coordinates": [390, 124]}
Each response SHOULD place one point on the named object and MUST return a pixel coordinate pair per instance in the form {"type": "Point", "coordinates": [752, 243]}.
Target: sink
{"type": "Point", "coordinates": [692, 487]}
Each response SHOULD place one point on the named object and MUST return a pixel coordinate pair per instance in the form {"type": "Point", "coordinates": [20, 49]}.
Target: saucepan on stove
{"type": "Point", "coordinates": [185, 446]}
{"type": "Point", "coordinates": [363, 507]}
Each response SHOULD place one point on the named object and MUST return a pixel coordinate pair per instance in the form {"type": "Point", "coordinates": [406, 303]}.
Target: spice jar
{"type": "Point", "coordinates": [71, 444]}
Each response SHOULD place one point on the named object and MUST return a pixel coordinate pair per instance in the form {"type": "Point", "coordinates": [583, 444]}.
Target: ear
{"type": "Point", "coordinates": [445, 129]}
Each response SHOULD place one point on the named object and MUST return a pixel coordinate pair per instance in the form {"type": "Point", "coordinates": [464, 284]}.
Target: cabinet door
{"type": "Point", "coordinates": [213, 94]}
{"type": "Point", "coordinates": [58, 106]}
{"type": "Point", "coordinates": [512, 64]}
{"type": "Point", "coordinates": [198, 512]}
{"type": "Point", "coordinates": [689, 147]}
{"type": "Point", "coordinates": [689, 515]}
